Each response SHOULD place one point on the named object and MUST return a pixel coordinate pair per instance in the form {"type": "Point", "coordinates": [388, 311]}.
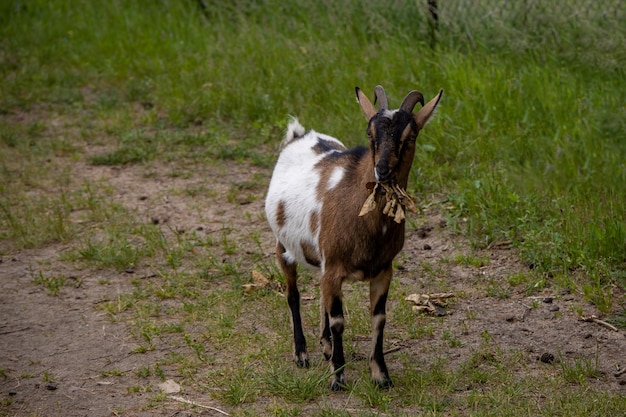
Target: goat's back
{"type": "Point", "coordinates": [294, 198]}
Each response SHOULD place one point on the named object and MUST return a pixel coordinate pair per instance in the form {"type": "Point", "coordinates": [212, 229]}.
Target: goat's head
{"type": "Point", "coordinates": [392, 133]}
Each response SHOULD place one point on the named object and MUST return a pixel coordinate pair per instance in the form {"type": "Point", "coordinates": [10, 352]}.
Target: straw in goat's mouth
{"type": "Point", "coordinates": [396, 200]}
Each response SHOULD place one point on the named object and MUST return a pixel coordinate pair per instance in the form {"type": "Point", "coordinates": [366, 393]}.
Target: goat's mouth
{"type": "Point", "coordinates": [384, 178]}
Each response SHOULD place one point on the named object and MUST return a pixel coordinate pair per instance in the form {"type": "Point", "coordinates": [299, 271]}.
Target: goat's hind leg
{"type": "Point", "coordinates": [332, 329]}
{"type": "Point", "coordinates": [293, 299]}
{"type": "Point", "coordinates": [379, 288]}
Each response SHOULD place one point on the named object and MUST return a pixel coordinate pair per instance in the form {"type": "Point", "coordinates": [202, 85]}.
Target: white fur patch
{"type": "Point", "coordinates": [294, 184]}
{"type": "Point", "coordinates": [335, 177]}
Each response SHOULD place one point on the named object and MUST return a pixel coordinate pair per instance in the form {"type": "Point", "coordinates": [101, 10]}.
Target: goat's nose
{"type": "Point", "coordinates": [382, 172]}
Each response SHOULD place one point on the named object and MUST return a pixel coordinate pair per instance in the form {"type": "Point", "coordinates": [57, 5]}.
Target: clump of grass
{"type": "Point", "coordinates": [296, 385]}
{"type": "Point", "coordinates": [579, 371]}
{"type": "Point", "coordinates": [52, 284]}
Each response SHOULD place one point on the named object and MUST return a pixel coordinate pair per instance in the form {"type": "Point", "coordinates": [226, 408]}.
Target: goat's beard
{"type": "Point", "coordinates": [397, 201]}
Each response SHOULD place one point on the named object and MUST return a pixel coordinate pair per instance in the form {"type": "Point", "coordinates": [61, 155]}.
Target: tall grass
{"type": "Point", "coordinates": [529, 143]}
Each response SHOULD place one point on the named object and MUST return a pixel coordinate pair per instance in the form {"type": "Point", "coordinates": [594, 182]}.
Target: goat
{"type": "Point", "coordinates": [313, 205]}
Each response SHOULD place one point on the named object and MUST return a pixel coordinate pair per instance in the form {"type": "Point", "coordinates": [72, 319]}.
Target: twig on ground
{"type": "Point", "coordinates": [183, 400]}
{"type": "Point", "coordinates": [393, 349]}
{"type": "Point", "coordinates": [594, 319]}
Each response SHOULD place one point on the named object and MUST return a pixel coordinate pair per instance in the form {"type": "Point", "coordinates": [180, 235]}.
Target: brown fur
{"type": "Point", "coordinates": [281, 217]}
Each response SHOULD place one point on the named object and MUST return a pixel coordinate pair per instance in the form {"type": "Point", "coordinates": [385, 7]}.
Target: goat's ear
{"type": "Point", "coordinates": [365, 103]}
{"type": "Point", "coordinates": [424, 114]}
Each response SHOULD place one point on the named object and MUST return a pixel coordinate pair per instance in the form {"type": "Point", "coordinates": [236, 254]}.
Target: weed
{"type": "Point", "coordinates": [579, 370]}
{"type": "Point", "coordinates": [159, 372]}
{"type": "Point", "coordinates": [47, 377]}
{"type": "Point", "coordinates": [143, 372]}
{"type": "Point", "coordinates": [112, 372]}
{"type": "Point", "coordinates": [618, 319]}
{"type": "Point", "coordinates": [294, 385]}
{"type": "Point", "coordinates": [52, 285]}
{"type": "Point", "coordinates": [495, 288]}
{"type": "Point", "coordinates": [452, 340]}
{"type": "Point", "coordinates": [471, 260]}
{"type": "Point", "coordinates": [240, 387]}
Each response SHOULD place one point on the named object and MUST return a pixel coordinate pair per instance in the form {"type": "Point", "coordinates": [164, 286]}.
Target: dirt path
{"type": "Point", "coordinates": [56, 350]}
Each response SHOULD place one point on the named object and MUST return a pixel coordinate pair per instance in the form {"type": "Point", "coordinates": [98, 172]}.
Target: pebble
{"type": "Point", "coordinates": [547, 357]}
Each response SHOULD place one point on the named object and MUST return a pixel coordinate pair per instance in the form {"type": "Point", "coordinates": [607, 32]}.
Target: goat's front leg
{"type": "Point", "coordinates": [332, 328]}
{"type": "Point", "coordinates": [289, 270]}
{"type": "Point", "coordinates": [379, 288]}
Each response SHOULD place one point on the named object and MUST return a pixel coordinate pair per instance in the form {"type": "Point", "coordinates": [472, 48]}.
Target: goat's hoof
{"type": "Point", "coordinates": [338, 384]}
{"type": "Point", "coordinates": [301, 359]}
{"type": "Point", "coordinates": [386, 383]}
{"type": "Point", "coordinates": [302, 363]}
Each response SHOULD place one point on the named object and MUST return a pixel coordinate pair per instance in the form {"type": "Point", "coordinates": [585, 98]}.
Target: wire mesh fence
{"type": "Point", "coordinates": [587, 32]}
{"type": "Point", "coordinates": [522, 10]}
{"type": "Point", "coordinates": [525, 17]}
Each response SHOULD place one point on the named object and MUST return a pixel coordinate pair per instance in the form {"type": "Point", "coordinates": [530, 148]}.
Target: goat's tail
{"type": "Point", "coordinates": [294, 131]}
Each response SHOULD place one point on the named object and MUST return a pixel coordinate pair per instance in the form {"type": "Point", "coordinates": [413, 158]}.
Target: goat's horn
{"type": "Point", "coordinates": [411, 99]}
{"type": "Point", "coordinates": [381, 97]}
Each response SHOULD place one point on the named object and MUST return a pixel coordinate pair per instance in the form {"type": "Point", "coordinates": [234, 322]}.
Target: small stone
{"type": "Point", "coordinates": [169, 387]}
{"type": "Point", "coordinates": [51, 387]}
{"type": "Point", "coordinates": [554, 308]}
{"type": "Point", "coordinates": [547, 357]}
{"type": "Point", "coordinates": [588, 336]}
{"type": "Point", "coordinates": [548, 300]}
{"type": "Point", "coordinates": [427, 247]}
{"type": "Point", "coordinates": [129, 270]}
{"type": "Point", "coordinates": [143, 198]}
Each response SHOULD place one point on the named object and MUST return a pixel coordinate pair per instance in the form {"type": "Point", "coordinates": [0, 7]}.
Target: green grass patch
{"type": "Point", "coordinates": [527, 148]}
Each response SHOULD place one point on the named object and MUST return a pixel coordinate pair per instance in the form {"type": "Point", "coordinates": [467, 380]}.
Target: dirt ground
{"type": "Point", "coordinates": [68, 337]}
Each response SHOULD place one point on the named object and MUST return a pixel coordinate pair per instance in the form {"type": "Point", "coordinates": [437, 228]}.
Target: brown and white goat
{"type": "Point", "coordinates": [315, 195]}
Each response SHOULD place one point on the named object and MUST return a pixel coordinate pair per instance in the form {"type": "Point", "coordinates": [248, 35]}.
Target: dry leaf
{"type": "Point", "coordinates": [399, 215]}
{"type": "Point", "coordinates": [430, 303]}
{"type": "Point", "coordinates": [370, 203]}
{"type": "Point", "coordinates": [396, 201]}
{"type": "Point", "coordinates": [259, 279]}
{"type": "Point", "coordinates": [258, 282]}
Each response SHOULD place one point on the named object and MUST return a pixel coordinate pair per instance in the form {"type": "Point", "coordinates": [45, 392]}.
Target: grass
{"type": "Point", "coordinates": [527, 148]}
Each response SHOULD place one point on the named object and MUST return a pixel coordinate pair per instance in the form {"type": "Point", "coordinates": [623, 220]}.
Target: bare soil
{"type": "Point", "coordinates": [55, 349]}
